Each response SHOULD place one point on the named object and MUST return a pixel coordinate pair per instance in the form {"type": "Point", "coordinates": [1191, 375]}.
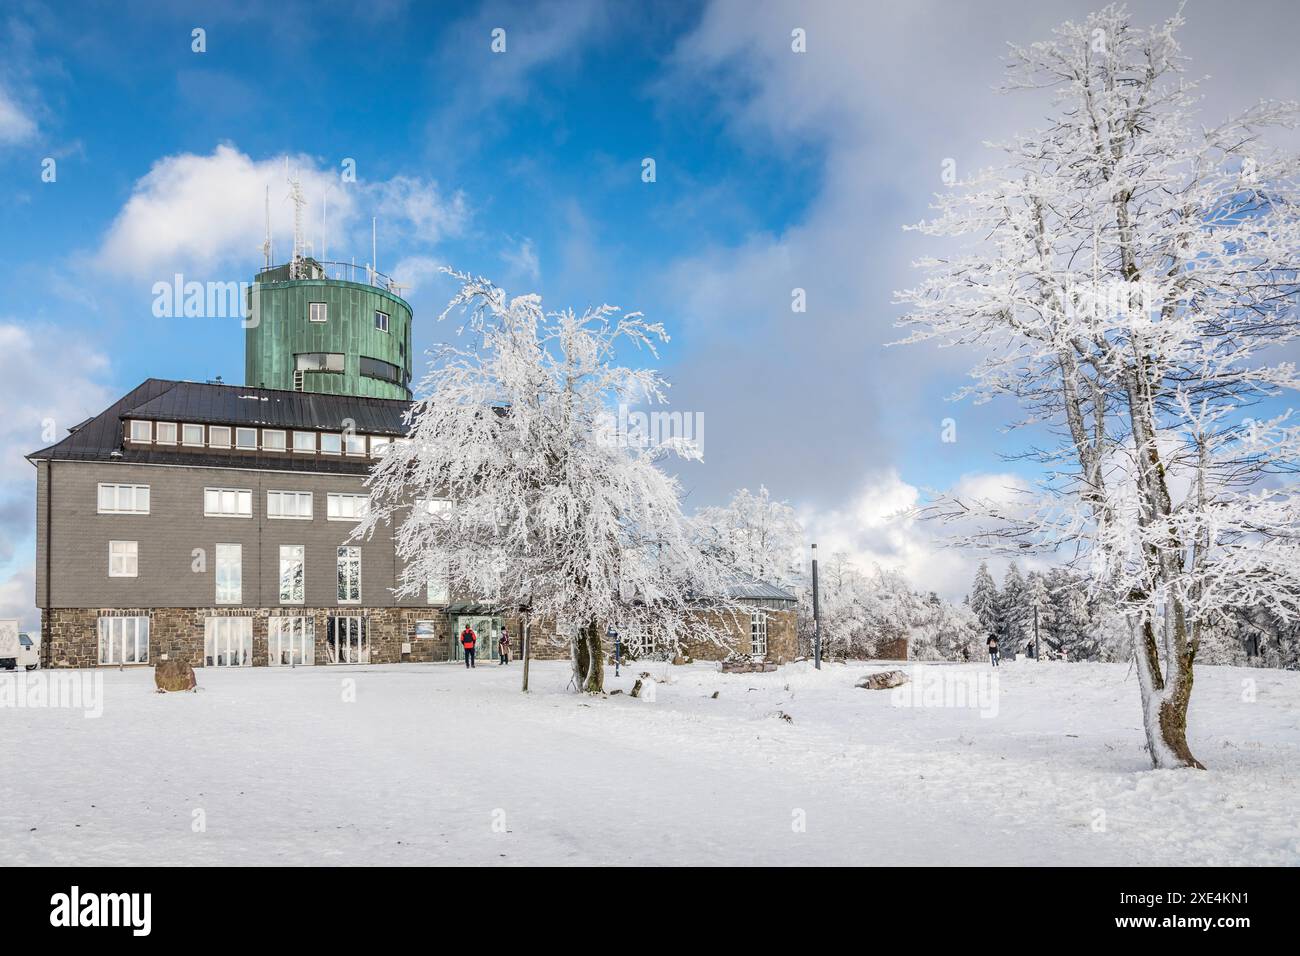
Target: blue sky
{"type": "Point", "coordinates": [773, 171]}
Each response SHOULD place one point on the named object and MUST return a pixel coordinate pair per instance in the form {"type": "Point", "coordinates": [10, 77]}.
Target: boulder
{"type": "Point", "coordinates": [882, 681]}
{"type": "Point", "coordinates": [172, 675]}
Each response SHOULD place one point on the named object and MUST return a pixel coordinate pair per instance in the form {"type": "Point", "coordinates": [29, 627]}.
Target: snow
{"type": "Point", "coordinates": [434, 764]}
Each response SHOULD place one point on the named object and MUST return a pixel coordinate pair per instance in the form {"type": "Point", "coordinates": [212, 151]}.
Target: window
{"type": "Point", "coordinates": [381, 321]}
{"type": "Point", "coordinates": [438, 590]}
{"type": "Point", "coordinates": [288, 504]}
{"type": "Point", "coordinates": [758, 634]}
{"type": "Point", "coordinates": [228, 641]}
{"type": "Point", "coordinates": [347, 507]}
{"type": "Point", "coordinates": [330, 443]}
{"type": "Point", "coordinates": [317, 311]}
{"type": "Point", "coordinates": [349, 575]}
{"type": "Point", "coordinates": [638, 639]}
{"type": "Point", "coordinates": [230, 573]}
{"type": "Point", "coordinates": [191, 434]}
{"type": "Point", "coordinates": [219, 436]}
{"type": "Point", "coordinates": [376, 368]}
{"type": "Point", "coordinates": [228, 502]}
{"type": "Point", "coordinates": [292, 577]}
{"type": "Point", "coordinates": [347, 641]}
{"type": "Point", "coordinates": [379, 446]}
{"type": "Point", "coordinates": [304, 442]}
{"type": "Point", "coordinates": [290, 641]}
{"type": "Point", "coordinates": [272, 440]}
{"type": "Point", "coordinates": [356, 444]}
{"type": "Point", "coordinates": [165, 433]}
{"type": "Point", "coordinates": [124, 640]}
{"type": "Point", "coordinates": [123, 559]}
{"type": "Point", "coordinates": [141, 431]}
{"type": "Point", "coordinates": [246, 438]}
{"type": "Point", "coordinates": [123, 499]}
{"type": "Point", "coordinates": [319, 361]}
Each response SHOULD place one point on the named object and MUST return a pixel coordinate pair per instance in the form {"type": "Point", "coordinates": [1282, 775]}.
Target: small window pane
{"type": "Point", "coordinates": [193, 435]}
{"type": "Point", "coordinates": [331, 444]}
{"type": "Point", "coordinates": [304, 441]}
{"type": "Point", "coordinates": [246, 438]}
{"type": "Point", "coordinates": [166, 433]}
{"type": "Point", "coordinates": [219, 436]}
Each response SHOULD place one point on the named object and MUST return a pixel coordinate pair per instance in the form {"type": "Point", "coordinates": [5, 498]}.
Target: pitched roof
{"type": "Point", "coordinates": [99, 438]}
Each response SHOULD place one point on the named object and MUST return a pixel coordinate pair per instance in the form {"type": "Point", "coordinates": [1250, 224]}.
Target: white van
{"type": "Point", "coordinates": [29, 651]}
{"type": "Point", "coordinates": [9, 645]}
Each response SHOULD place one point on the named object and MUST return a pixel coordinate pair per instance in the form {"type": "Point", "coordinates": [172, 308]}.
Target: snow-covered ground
{"type": "Point", "coordinates": [432, 764]}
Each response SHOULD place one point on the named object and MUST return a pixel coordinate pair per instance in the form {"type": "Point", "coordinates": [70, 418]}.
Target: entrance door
{"type": "Point", "coordinates": [487, 628]}
{"type": "Point", "coordinates": [228, 641]}
{"type": "Point", "coordinates": [347, 640]}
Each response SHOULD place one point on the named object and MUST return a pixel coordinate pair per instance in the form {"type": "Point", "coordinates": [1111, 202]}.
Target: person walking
{"type": "Point", "coordinates": [468, 641]}
{"type": "Point", "coordinates": [503, 647]}
{"type": "Point", "coordinates": [993, 649]}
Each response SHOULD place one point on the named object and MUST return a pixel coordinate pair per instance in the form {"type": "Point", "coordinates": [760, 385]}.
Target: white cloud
{"type": "Point", "coordinates": [522, 259]}
{"type": "Point", "coordinates": [48, 382]}
{"type": "Point", "coordinates": [414, 272]}
{"type": "Point", "coordinates": [199, 213]}
{"type": "Point", "coordinates": [15, 125]}
{"type": "Point", "coordinates": [878, 525]}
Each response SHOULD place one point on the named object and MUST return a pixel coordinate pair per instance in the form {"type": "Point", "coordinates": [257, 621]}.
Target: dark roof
{"type": "Point", "coordinates": [198, 403]}
{"type": "Point", "coordinates": [749, 588]}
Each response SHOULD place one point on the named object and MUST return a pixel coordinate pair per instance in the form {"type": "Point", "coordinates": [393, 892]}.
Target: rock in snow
{"type": "Point", "coordinates": [882, 681]}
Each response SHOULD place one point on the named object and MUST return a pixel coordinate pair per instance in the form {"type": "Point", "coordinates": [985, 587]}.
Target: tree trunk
{"type": "Point", "coordinates": [588, 660]}
{"type": "Point", "coordinates": [527, 654]}
{"type": "Point", "coordinates": [1164, 704]}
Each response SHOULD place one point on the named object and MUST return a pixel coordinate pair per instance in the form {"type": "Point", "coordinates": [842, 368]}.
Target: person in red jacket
{"type": "Point", "coordinates": [468, 640]}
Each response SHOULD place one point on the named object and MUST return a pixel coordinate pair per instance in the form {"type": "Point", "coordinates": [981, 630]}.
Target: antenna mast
{"type": "Point", "coordinates": [295, 194]}
{"type": "Point", "coordinates": [267, 252]}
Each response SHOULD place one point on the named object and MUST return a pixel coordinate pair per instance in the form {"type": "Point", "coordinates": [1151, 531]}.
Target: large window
{"type": "Point", "coordinates": [123, 559]}
{"type": "Point", "coordinates": [758, 633]}
{"type": "Point", "coordinates": [272, 440]}
{"type": "Point", "coordinates": [304, 442]}
{"type": "Point", "coordinates": [288, 504]}
{"type": "Point", "coordinates": [228, 641]}
{"type": "Point", "coordinates": [347, 641]}
{"type": "Point", "coordinates": [141, 431]}
{"type": "Point", "coordinates": [219, 436]}
{"type": "Point", "coordinates": [192, 435]}
{"type": "Point", "coordinates": [165, 433]}
{"type": "Point", "coordinates": [320, 361]}
{"type": "Point", "coordinates": [347, 507]}
{"type": "Point", "coordinates": [354, 444]}
{"type": "Point", "coordinates": [292, 574]}
{"type": "Point", "coordinates": [317, 311]}
{"type": "Point", "coordinates": [228, 502]}
{"type": "Point", "coordinates": [438, 589]}
{"type": "Point", "coordinates": [377, 368]}
{"type": "Point", "coordinates": [379, 446]}
{"type": "Point", "coordinates": [246, 438]}
{"type": "Point", "coordinates": [230, 574]}
{"type": "Point", "coordinates": [123, 499]}
{"type": "Point", "coordinates": [290, 641]}
{"type": "Point", "coordinates": [331, 443]}
{"type": "Point", "coordinates": [349, 567]}
{"type": "Point", "coordinates": [124, 640]}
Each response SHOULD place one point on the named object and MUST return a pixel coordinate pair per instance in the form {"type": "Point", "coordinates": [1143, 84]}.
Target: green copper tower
{"type": "Point", "coordinates": [338, 334]}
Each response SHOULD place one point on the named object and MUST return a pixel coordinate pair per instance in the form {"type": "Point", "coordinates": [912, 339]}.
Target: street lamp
{"type": "Point", "coordinates": [817, 623]}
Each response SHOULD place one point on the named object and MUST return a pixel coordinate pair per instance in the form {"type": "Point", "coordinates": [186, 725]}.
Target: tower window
{"type": "Point", "coordinates": [386, 371]}
{"type": "Point", "coordinates": [317, 311]}
{"type": "Point", "coordinates": [381, 321]}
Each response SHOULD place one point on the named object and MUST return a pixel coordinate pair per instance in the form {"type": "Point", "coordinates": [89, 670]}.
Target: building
{"type": "Point", "coordinates": [213, 522]}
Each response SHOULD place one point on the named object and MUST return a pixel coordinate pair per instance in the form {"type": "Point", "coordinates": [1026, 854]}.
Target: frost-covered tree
{"type": "Point", "coordinates": [985, 601]}
{"type": "Point", "coordinates": [1013, 609]}
{"type": "Point", "coordinates": [1039, 602]}
{"type": "Point", "coordinates": [515, 485]}
{"type": "Point", "coordinates": [756, 535]}
{"type": "Point", "coordinates": [1129, 278]}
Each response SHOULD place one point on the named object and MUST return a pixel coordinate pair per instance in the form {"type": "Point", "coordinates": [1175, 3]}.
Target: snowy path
{"type": "Point", "coordinates": [420, 766]}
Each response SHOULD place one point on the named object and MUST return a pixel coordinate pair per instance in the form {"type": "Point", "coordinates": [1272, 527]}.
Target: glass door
{"type": "Point", "coordinates": [228, 641]}
{"type": "Point", "coordinates": [290, 641]}
{"type": "Point", "coordinates": [347, 641]}
{"type": "Point", "coordinates": [488, 630]}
